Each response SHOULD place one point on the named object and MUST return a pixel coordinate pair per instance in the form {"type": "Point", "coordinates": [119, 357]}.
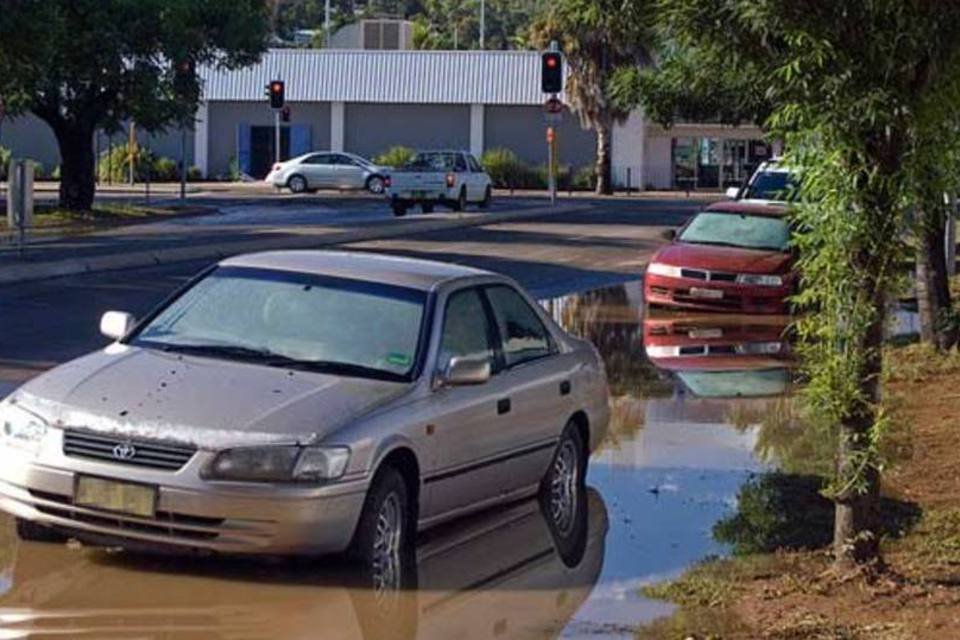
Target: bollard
{"type": "Point", "coordinates": [20, 198]}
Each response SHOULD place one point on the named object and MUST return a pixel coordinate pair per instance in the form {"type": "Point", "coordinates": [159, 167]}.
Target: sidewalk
{"type": "Point", "coordinates": [160, 243]}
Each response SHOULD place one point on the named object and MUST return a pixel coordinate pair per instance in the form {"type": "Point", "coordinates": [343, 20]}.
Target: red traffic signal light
{"type": "Point", "coordinates": [551, 72]}
{"type": "Point", "coordinates": [275, 90]}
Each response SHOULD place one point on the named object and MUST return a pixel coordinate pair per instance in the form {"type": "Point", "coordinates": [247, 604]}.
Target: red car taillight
{"type": "Point", "coordinates": [451, 180]}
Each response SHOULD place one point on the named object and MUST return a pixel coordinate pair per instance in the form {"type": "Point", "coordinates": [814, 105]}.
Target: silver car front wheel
{"type": "Point", "coordinates": [384, 528]}
{"type": "Point", "coordinates": [297, 184]}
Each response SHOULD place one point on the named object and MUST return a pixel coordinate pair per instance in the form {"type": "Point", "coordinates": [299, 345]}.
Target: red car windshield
{"type": "Point", "coordinates": [768, 233]}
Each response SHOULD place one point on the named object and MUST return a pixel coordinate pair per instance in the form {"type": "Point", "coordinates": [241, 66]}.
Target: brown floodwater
{"type": "Point", "coordinates": [689, 394]}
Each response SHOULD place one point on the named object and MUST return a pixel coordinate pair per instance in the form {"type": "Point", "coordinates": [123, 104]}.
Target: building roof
{"type": "Point", "coordinates": [438, 77]}
{"type": "Point", "coordinates": [376, 267]}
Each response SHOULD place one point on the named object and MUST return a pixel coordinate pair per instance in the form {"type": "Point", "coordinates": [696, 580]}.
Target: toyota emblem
{"type": "Point", "coordinates": [124, 451]}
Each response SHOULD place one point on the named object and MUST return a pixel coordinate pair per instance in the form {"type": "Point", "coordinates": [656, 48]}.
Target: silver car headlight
{"type": "Point", "coordinates": [279, 464]}
{"type": "Point", "coordinates": [762, 280]}
{"type": "Point", "coordinates": [21, 428]}
{"type": "Point", "coordinates": [660, 269]}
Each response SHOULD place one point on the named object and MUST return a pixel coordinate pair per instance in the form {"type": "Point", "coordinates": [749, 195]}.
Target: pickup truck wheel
{"type": "Point", "coordinates": [297, 184]}
{"type": "Point", "coordinates": [33, 532]}
{"type": "Point", "coordinates": [427, 207]}
{"type": "Point", "coordinates": [375, 184]}
{"type": "Point", "coordinates": [383, 534]}
{"type": "Point", "coordinates": [563, 489]}
{"type": "Point", "coordinates": [399, 209]}
{"type": "Point", "coordinates": [487, 197]}
{"type": "Point", "coordinates": [461, 202]}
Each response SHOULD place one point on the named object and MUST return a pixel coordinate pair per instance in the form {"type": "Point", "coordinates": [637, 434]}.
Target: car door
{"type": "Point", "coordinates": [350, 175]}
{"type": "Point", "coordinates": [319, 170]}
{"type": "Point", "coordinates": [473, 424]}
{"type": "Point", "coordinates": [538, 379]}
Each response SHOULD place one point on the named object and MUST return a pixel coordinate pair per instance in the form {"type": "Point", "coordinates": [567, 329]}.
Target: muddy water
{"type": "Point", "coordinates": [669, 471]}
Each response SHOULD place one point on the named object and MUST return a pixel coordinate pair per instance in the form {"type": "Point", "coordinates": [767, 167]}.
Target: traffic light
{"type": "Point", "coordinates": [285, 114]}
{"type": "Point", "coordinates": [551, 72]}
{"type": "Point", "coordinates": [275, 90]}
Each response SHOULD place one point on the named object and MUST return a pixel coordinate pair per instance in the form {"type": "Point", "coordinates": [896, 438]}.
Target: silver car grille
{"type": "Point", "coordinates": [138, 453]}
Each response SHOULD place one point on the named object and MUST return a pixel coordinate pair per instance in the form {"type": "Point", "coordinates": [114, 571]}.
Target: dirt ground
{"type": "Point", "coordinates": [796, 595]}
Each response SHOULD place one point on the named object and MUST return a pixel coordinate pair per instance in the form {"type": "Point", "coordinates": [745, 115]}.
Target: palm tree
{"type": "Point", "coordinates": [598, 37]}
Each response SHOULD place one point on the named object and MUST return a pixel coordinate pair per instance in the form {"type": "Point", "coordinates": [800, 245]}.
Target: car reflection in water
{"type": "Point", "coordinates": [722, 356]}
{"type": "Point", "coordinates": [499, 574]}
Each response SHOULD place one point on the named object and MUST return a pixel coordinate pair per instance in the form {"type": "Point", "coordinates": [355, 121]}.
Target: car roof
{"type": "Point", "coordinates": [748, 208]}
{"type": "Point", "coordinates": [395, 270]}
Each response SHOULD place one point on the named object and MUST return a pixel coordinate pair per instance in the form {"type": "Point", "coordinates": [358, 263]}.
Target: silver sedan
{"type": "Point", "coordinates": [307, 402]}
{"type": "Point", "coordinates": [328, 170]}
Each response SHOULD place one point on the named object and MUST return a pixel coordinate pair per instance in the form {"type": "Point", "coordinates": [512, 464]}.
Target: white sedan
{"type": "Point", "coordinates": [327, 170]}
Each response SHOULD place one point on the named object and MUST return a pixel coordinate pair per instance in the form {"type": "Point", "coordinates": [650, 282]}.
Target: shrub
{"type": "Point", "coordinates": [39, 171]}
{"type": "Point", "coordinates": [55, 174]}
{"type": "Point", "coordinates": [503, 166]}
{"type": "Point", "coordinates": [165, 170]}
{"type": "Point", "coordinates": [114, 164]}
{"type": "Point", "coordinates": [395, 156]}
{"type": "Point", "coordinates": [233, 170]}
{"type": "Point", "coordinates": [585, 178]}
{"type": "Point", "coordinates": [5, 156]}
{"type": "Point", "coordinates": [194, 174]}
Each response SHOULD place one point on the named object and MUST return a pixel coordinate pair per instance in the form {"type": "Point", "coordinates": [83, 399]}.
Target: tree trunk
{"type": "Point", "coordinates": [603, 170]}
{"type": "Point", "coordinates": [77, 179]}
{"type": "Point", "coordinates": [855, 538]}
{"type": "Point", "coordinates": [937, 326]}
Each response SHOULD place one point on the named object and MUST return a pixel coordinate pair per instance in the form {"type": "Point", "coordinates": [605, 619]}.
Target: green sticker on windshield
{"type": "Point", "coordinates": [399, 359]}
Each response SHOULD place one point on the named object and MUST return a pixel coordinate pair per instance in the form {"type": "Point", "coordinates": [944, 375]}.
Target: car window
{"type": "Point", "coordinates": [319, 158]}
{"type": "Point", "coordinates": [772, 185]}
{"type": "Point", "coordinates": [432, 161]}
{"type": "Point", "coordinates": [522, 332]}
{"type": "Point", "coordinates": [346, 161]}
{"type": "Point", "coordinates": [474, 165]}
{"type": "Point", "coordinates": [770, 233]}
{"type": "Point", "coordinates": [460, 164]}
{"type": "Point", "coordinates": [466, 330]}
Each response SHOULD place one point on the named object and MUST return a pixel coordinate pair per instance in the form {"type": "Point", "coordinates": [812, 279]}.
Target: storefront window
{"type": "Point", "coordinates": [713, 163]}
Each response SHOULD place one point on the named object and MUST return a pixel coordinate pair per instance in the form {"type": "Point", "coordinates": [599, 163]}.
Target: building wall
{"type": "Point", "coordinates": [522, 129]}
{"type": "Point", "coordinates": [658, 162]}
{"type": "Point", "coordinates": [29, 137]}
{"type": "Point", "coordinates": [370, 129]}
{"type": "Point", "coordinates": [225, 118]}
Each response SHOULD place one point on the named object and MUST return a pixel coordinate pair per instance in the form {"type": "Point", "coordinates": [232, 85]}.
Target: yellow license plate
{"type": "Point", "coordinates": [110, 495]}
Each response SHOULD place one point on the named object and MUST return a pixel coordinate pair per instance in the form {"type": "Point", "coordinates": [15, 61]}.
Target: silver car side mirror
{"type": "Point", "coordinates": [461, 372]}
{"type": "Point", "coordinates": [116, 324]}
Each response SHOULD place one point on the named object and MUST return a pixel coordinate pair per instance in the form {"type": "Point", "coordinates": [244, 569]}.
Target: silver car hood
{"type": "Point", "coordinates": [199, 401]}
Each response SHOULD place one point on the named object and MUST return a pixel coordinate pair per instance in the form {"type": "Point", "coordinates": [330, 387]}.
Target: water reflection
{"type": "Point", "coordinates": [683, 443]}
{"type": "Point", "coordinates": [498, 574]}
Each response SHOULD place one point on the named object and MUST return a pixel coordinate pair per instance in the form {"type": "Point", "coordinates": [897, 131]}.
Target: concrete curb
{"type": "Point", "coordinates": [33, 271]}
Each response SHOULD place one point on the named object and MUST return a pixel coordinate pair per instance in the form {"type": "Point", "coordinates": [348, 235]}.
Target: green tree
{"type": "Point", "coordinates": [599, 39]}
{"type": "Point", "coordinates": [80, 65]}
{"type": "Point", "coordinates": [854, 89]}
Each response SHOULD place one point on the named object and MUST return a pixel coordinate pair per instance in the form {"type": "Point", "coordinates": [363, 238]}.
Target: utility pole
{"type": "Point", "coordinates": [183, 163]}
{"type": "Point", "coordinates": [326, 24]}
{"type": "Point", "coordinates": [483, 23]}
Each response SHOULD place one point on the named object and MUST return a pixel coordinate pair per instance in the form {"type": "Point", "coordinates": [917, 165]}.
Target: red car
{"type": "Point", "coordinates": [732, 256]}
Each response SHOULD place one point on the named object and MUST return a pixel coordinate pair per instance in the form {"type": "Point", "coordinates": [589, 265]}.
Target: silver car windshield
{"type": "Point", "coordinates": [738, 230]}
{"type": "Point", "coordinates": [331, 325]}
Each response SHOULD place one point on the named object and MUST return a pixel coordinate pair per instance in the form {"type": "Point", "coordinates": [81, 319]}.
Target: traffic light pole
{"type": "Point", "coordinates": [551, 164]}
{"type": "Point", "coordinates": [276, 140]}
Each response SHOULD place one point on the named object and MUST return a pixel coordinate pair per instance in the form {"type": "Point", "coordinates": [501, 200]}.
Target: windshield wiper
{"type": "Point", "coordinates": [270, 359]}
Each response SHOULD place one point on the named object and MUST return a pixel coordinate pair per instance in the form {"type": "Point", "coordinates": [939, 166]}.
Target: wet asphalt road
{"type": "Point", "coordinates": [48, 322]}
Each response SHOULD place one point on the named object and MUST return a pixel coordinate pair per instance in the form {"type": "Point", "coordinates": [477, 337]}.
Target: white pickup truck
{"type": "Point", "coordinates": [450, 178]}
